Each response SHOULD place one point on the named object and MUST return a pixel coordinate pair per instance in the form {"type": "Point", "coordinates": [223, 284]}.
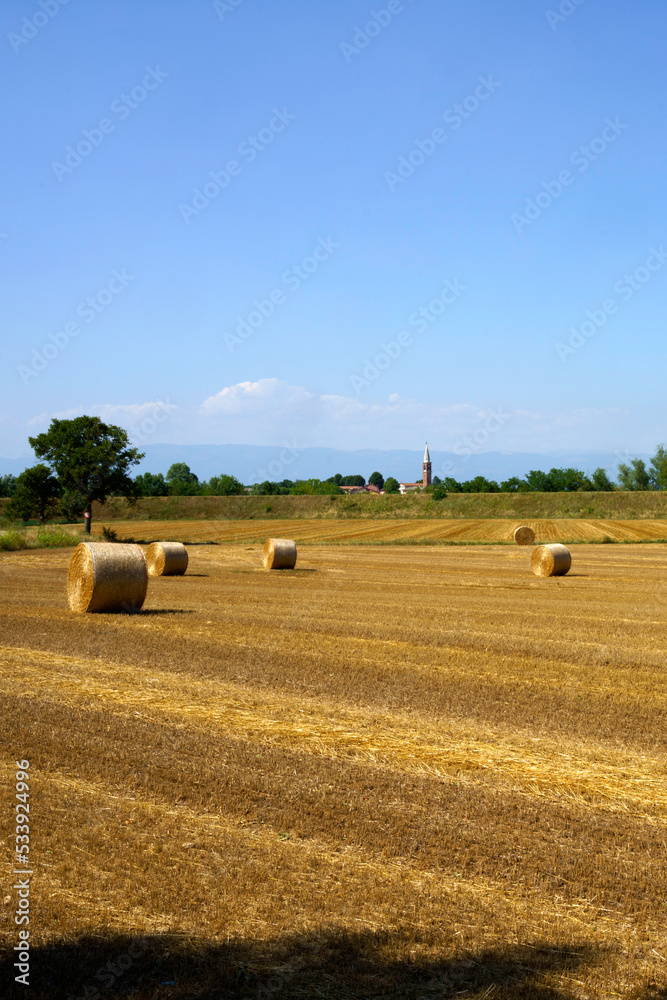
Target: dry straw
{"type": "Point", "coordinates": [550, 560]}
{"type": "Point", "coordinates": [166, 559]}
{"type": "Point", "coordinates": [279, 553]}
{"type": "Point", "coordinates": [106, 576]}
{"type": "Point", "coordinates": [524, 535]}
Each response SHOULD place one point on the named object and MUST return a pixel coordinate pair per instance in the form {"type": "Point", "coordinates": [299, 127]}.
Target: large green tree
{"type": "Point", "coordinates": [37, 494]}
{"type": "Point", "coordinates": [91, 459]}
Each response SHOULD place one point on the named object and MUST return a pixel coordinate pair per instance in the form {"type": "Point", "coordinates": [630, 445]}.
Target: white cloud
{"type": "Point", "coordinates": [250, 398]}
{"type": "Point", "coordinates": [271, 411]}
{"type": "Point", "coordinates": [267, 411]}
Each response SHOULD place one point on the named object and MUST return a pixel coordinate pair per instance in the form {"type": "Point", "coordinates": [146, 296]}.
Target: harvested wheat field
{"type": "Point", "coordinates": [397, 772]}
{"type": "Point", "coordinates": [384, 531]}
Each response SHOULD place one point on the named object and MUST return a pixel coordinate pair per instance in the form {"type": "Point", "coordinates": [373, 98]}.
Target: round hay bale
{"type": "Point", "coordinates": [166, 559]}
{"type": "Point", "coordinates": [550, 560]}
{"type": "Point", "coordinates": [524, 535]}
{"type": "Point", "coordinates": [106, 576]}
{"type": "Point", "coordinates": [279, 553]}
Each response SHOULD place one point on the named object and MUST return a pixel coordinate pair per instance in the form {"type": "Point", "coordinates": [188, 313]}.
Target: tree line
{"type": "Point", "coordinates": [633, 475]}
{"type": "Point", "coordinates": [181, 481]}
{"type": "Point", "coordinates": [86, 460]}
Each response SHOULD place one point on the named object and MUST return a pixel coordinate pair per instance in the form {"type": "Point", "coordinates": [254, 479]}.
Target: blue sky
{"type": "Point", "coordinates": [528, 224]}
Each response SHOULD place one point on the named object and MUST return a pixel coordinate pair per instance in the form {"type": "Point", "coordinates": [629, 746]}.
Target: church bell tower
{"type": "Point", "coordinates": [426, 468]}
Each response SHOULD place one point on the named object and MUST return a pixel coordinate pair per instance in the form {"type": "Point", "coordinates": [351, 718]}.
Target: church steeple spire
{"type": "Point", "coordinates": [426, 468]}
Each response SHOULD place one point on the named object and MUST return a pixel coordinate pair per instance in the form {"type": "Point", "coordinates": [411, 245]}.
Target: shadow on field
{"type": "Point", "coordinates": [152, 612]}
{"type": "Point", "coordinates": [149, 541]}
{"type": "Point", "coordinates": [296, 570]}
{"type": "Point", "coordinates": [186, 542]}
{"type": "Point", "coordinates": [332, 964]}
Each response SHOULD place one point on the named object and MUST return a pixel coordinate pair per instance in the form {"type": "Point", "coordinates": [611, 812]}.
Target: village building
{"type": "Point", "coordinates": [426, 476]}
{"type": "Point", "coordinates": [368, 488]}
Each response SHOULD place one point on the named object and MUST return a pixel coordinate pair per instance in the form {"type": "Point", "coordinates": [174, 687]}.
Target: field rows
{"type": "Point", "coordinates": [597, 772]}
{"type": "Point", "coordinates": [390, 531]}
{"type": "Point", "coordinates": [401, 772]}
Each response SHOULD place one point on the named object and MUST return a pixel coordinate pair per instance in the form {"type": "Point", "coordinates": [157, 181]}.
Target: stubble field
{"type": "Point", "coordinates": [406, 771]}
{"type": "Point", "coordinates": [369, 531]}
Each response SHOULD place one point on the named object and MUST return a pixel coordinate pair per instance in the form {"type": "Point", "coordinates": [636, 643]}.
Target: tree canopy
{"type": "Point", "coordinates": [568, 480]}
{"type": "Point", "coordinates": [181, 481]}
{"type": "Point", "coordinates": [91, 459]}
{"type": "Point", "coordinates": [658, 469]}
{"type": "Point", "coordinates": [314, 487]}
{"type": "Point", "coordinates": [224, 486]}
{"type": "Point", "coordinates": [7, 485]}
{"type": "Point", "coordinates": [601, 481]}
{"type": "Point", "coordinates": [36, 495]}
{"type": "Point", "coordinates": [150, 485]}
{"type": "Point", "coordinates": [634, 476]}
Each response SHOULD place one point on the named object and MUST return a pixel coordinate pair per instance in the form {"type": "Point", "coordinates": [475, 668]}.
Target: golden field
{"type": "Point", "coordinates": [386, 531]}
{"type": "Point", "coordinates": [411, 771]}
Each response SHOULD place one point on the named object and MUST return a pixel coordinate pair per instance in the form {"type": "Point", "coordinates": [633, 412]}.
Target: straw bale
{"type": "Point", "coordinates": [524, 535]}
{"type": "Point", "coordinates": [550, 560]}
{"type": "Point", "coordinates": [106, 576]}
{"type": "Point", "coordinates": [166, 559]}
{"type": "Point", "coordinates": [279, 553]}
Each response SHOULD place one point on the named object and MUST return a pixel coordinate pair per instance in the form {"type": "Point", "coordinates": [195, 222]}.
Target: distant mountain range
{"type": "Point", "coordinates": [255, 463]}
